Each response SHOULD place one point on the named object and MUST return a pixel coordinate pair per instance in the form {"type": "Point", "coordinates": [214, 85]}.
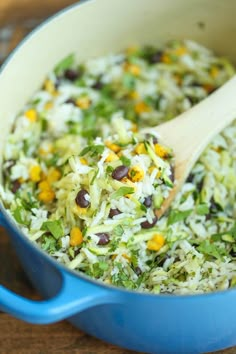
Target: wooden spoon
{"type": "Point", "coordinates": [190, 132]}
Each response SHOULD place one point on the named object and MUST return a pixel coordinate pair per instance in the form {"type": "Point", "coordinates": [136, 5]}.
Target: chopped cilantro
{"type": "Point", "coordinates": [176, 215]}
{"type": "Point", "coordinates": [64, 64]}
{"type": "Point", "coordinates": [94, 150]}
{"type": "Point", "coordinates": [55, 227]}
{"type": "Point", "coordinates": [121, 192]}
{"type": "Point", "coordinates": [202, 209]}
{"type": "Point", "coordinates": [125, 161]}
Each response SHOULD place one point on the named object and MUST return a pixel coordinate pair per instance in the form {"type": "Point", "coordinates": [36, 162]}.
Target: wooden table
{"type": "Point", "coordinates": [17, 17]}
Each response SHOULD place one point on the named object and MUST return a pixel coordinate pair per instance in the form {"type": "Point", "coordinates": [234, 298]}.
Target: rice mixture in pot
{"type": "Point", "coordinates": [84, 184]}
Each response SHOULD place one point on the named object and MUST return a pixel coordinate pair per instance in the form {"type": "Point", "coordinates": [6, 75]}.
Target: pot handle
{"type": "Point", "coordinates": [75, 295]}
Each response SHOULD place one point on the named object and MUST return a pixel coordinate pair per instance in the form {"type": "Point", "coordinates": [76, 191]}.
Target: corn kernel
{"type": "Point", "coordinates": [132, 69]}
{"type": "Point", "coordinates": [83, 102]}
{"type": "Point", "coordinates": [160, 151]}
{"type": "Point", "coordinates": [46, 196]}
{"type": "Point", "coordinates": [34, 173]}
{"type": "Point", "coordinates": [49, 87]}
{"type": "Point", "coordinates": [44, 186]}
{"type": "Point", "coordinates": [53, 175]}
{"type": "Point", "coordinates": [111, 157]}
{"type": "Point", "coordinates": [124, 255]}
{"type": "Point", "coordinates": [112, 146]}
{"type": "Point", "coordinates": [76, 237]}
{"type": "Point", "coordinates": [208, 88]}
{"type": "Point", "coordinates": [181, 51]}
{"type": "Point", "coordinates": [47, 149]}
{"type": "Point", "coordinates": [156, 242]}
{"type": "Point", "coordinates": [140, 149]}
{"type": "Point", "coordinates": [134, 128]}
{"type": "Point", "coordinates": [214, 72]}
{"type": "Point", "coordinates": [134, 95]}
{"type": "Point", "coordinates": [48, 105]}
{"type": "Point", "coordinates": [152, 168]}
{"type": "Point", "coordinates": [136, 174]}
{"type": "Point", "coordinates": [79, 211]}
{"type": "Point", "coordinates": [166, 59]}
{"type": "Point", "coordinates": [31, 115]}
{"type": "Point", "coordinates": [141, 107]}
{"type": "Point", "coordinates": [83, 161]}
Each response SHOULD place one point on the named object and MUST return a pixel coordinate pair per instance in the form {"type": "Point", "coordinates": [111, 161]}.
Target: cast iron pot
{"type": "Point", "coordinates": [142, 322]}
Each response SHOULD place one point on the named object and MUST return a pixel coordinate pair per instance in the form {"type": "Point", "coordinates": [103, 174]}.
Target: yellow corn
{"type": "Point", "coordinates": [50, 87]}
{"type": "Point", "coordinates": [209, 88]}
{"type": "Point", "coordinates": [53, 175]}
{"type": "Point", "coordinates": [136, 174]}
{"type": "Point", "coordinates": [76, 237]}
{"type": "Point", "coordinates": [134, 95]}
{"type": "Point", "coordinates": [35, 173]}
{"type": "Point", "coordinates": [214, 72]}
{"type": "Point", "coordinates": [46, 196]}
{"type": "Point", "coordinates": [43, 151]}
{"type": "Point", "coordinates": [48, 105]}
{"type": "Point", "coordinates": [31, 115]}
{"type": "Point", "coordinates": [156, 242]}
{"type": "Point", "coordinates": [111, 157]}
{"type": "Point", "coordinates": [181, 51]}
{"type": "Point", "coordinates": [134, 128]}
{"type": "Point", "coordinates": [166, 59]}
{"type": "Point", "coordinates": [83, 161]}
{"type": "Point", "coordinates": [124, 255]}
{"type": "Point", "coordinates": [150, 170]}
{"type": "Point", "coordinates": [132, 69]}
{"type": "Point", "coordinates": [141, 107]}
{"type": "Point", "coordinates": [83, 102]}
{"type": "Point", "coordinates": [160, 150]}
{"type": "Point", "coordinates": [79, 211]}
{"type": "Point", "coordinates": [44, 186]}
{"type": "Point", "coordinates": [112, 146]}
{"type": "Point", "coordinates": [140, 149]}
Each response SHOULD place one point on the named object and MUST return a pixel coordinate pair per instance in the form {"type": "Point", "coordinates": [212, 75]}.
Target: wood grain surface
{"type": "Point", "coordinates": [17, 17]}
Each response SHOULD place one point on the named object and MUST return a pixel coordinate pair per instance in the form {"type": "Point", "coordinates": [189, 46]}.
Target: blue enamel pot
{"type": "Point", "coordinates": [147, 323]}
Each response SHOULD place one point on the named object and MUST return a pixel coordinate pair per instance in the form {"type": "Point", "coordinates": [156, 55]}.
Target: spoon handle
{"type": "Point", "coordinates": [190, 133]}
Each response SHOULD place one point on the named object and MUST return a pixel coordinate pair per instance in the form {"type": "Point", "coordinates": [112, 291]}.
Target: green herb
{"type": "Point", "coordinates": [228, 236]}
{"type": "Point", "coordinates": [118, 230]}
{"type": "Point", "coordinates": [128, 81]}
{"type": "Point", "coordinates": [103, 265]}
{"type": "Point", "coordinates": [121, 192]}
{"type": "Point", "coordinates": [109, 169]}
{"type": "Point", "coordinates": [94, 150]}
{"type": "Point", "coordinates": [202, 209]}
{"type": "Point", "coordinates": [49, 244]}
{"type": "Point", "coordinates": [53, 160]}
{"type": "Point", "coordinates": [55, 227]}
{"type": "Point", "coordinates": [17, 213]}
{"type": "Point", "coordinates": [94, 176]}
{"type": "Point", "coordinates": [125, 161]}
{"type": "Point", "coordinates": [176, 215]}
{"type": "Point", "coordinates": [209, 249]}
{"type": "Point", "coordinates": [64, 64]}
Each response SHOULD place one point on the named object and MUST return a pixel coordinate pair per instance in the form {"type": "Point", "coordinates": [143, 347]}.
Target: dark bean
{"type": "Point", "coordinates": [98, 85]}
{"type": "Point", "coordinates": [154, 139]}
{"type": "Point", "coordinates": [114, 212]}
{"type": "Point", "coordinates": [172, 173]}
{"type": "Point", "coordinates": [104, 238]}
{"type": "Point", "coordinates": [71, 74]}
{"type": "Point", "coordinates": [233, 253]}
{"type": "Point", "coordinates": [120, 172]}
{"type": "Point", "coordinates": [137, 270]}
{"type": "Point", "coordinates": [15, 186]}
{"type": "Point", "coordinates": [81, 200]}
{"type": "Point", "coordinates": [148, 201]}
{"type": "Point", "coordinates": [156, 57]}
{"type": "Point", "coordinates": [208, 216]}
{"type": "Point", "coordinates": [147, 225]}
{"type": "Point", "coordinates": [71, 100]}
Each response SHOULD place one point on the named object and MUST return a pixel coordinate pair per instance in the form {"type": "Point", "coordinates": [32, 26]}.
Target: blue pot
{"type": "Point", "coordinates": [148, 323]}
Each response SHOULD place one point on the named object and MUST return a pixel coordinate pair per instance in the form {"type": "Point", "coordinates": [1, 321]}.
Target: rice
{"type": "Point", "coordinates": [82, 125]}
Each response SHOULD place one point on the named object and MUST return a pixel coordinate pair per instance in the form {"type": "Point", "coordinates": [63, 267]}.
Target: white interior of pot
{"type": "Point", "coordinates": [98, 27]}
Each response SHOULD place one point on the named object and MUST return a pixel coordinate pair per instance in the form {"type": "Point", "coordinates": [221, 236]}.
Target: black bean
{"type": "Point", "coordinates": [233, 253]}
{"type": "Point", "coordinates": [147, 225]}
{"type": "Point", "coordinates": [81, 199]}
{"type": "Point", "coordinates": [98, 85]}
{"type": "Point", "coordinates": [153, 137]}
{"type": "Point", "coordinates": [104, 238]}
{"type": "Point", "coordinates": [156, 57]}
{"type": "Point", "coordinates": [172, 173]}
{"type": "Point", "coordinates": [120, 172]}
{"type": "Point", "coordinates": [15, 186]}
{"type": "Point", "coordinates": [71, 100]}
{"type": "Point", "coordinates": [148, 201]}
{"type": "Point", "coordinates": [114, 212]}
{"type": "Point", "coordinates": [137, 270]}
{"type": "Point", "coordinates": [71, 74]}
